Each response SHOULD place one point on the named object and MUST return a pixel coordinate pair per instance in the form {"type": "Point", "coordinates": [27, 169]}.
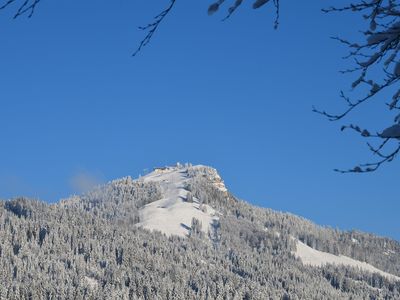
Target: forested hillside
{"type": "Point", "coordinates": [98, 246]}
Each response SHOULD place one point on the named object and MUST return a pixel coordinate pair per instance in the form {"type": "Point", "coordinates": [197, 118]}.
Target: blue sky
{"type": "Point", "coordinates": [236, 95]}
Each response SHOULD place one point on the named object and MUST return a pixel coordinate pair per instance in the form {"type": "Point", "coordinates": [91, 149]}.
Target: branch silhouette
{"type": "Point", "coordinates": [153, 26]}
{"type": "Point", "coordinates": [377, 52]}
{"type": "Point", "coordinates": [25, 7]}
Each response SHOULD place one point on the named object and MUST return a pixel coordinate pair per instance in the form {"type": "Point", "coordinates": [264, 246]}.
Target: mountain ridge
{"type": "Point", "coordinates": [172, 214]}
{"type": "Point", "coordinates": [103, 242]}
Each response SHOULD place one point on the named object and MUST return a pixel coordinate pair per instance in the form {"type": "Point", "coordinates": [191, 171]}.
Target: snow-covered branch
{"type": "Point", "coordinates": [256, 4]}
{"type": "Point", "coordinates": [377, 63]}
{"type": "Point", "coordinates": [390, 134]}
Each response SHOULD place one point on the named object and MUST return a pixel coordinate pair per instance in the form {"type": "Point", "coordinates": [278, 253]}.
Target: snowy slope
{"type": "Point", "coordinates": [172, 214]}
{"type": "Point", "coordinates": [310, 256]}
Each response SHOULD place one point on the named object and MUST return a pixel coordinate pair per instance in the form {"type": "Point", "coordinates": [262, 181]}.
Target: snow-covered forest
{"type": "Point", "coordinates": [84, 94]}
{"type": "Point", "coordinates": [178, 233]}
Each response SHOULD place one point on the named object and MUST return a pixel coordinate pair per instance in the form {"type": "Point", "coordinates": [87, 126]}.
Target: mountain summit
{"type": "Point", "coordinates": [178, 233]}
{"type": "Point", "coordinates": [174, 212]}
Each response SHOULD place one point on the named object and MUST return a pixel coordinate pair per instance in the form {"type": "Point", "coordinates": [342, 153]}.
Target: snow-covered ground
{"type": "Point", "coordinates": [172, 214]}
{"type": "Point", "coordinates": [310, 256]}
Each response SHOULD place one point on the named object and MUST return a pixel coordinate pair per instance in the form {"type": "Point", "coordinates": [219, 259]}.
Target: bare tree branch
{"type": "Point", "coordinates": [371, 167]}
{"type": "Point", "coordinates": [25, 7]}
{"type": "Point", "coordinates": [152, 27]}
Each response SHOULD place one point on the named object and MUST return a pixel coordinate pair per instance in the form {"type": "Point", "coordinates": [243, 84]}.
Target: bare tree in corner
{"type": "Point", "coordinates": [377, 53]}
{"type": "Point", "coordinates": [378, 50]}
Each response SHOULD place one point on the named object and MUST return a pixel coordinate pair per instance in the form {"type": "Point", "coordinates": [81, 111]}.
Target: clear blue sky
{"type": "Point", "coordinates": [236, 95]}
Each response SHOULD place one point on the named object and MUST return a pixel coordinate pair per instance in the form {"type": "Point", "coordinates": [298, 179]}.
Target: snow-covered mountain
{"type": "Point", "coordinates": [178, 233]}
{"type": "Point", "coordinates": [174, 212]}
